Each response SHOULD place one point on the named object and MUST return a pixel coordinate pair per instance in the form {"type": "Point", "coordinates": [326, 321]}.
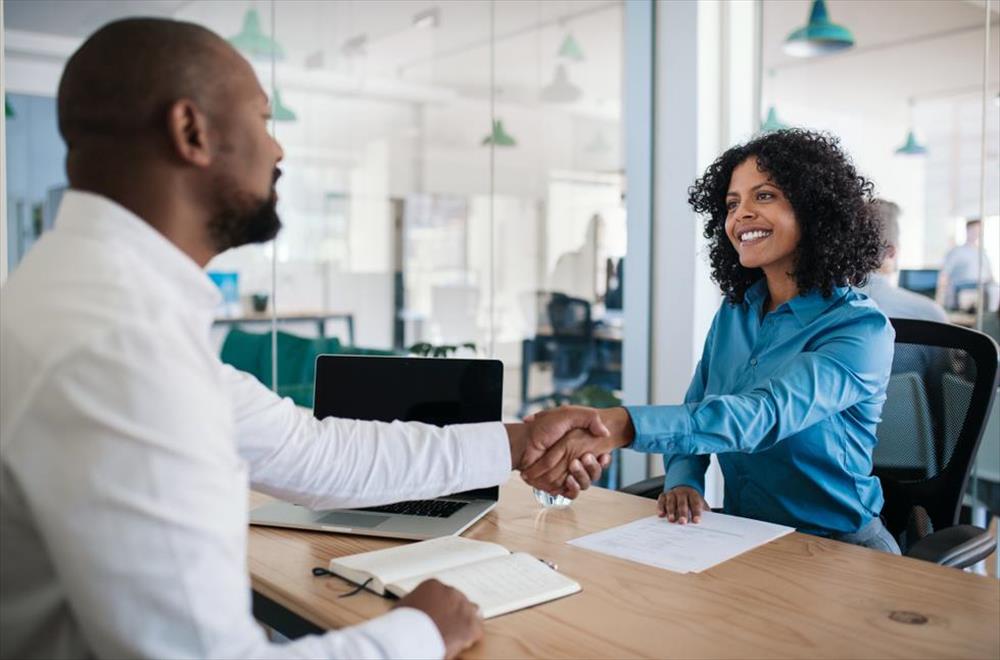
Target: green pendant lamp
{"type": "Point", "coordinates": [252, 40]}
{"type": "Point", "coordinates": [279, 110]}
{"type": "Point", "coordinates": [820, 36]}
{"type": "Point", "coordinates": [771, 122]}
{"type": "Point", "coordinates": [498, 137]}
{"type": "Point", "coordinates": [911, 147]}
{"type": "Point", "coordinates": [570, 49]}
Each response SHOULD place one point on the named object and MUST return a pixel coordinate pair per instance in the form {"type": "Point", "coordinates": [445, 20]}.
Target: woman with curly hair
{"type": "Point", "coordinates": [793, 375]}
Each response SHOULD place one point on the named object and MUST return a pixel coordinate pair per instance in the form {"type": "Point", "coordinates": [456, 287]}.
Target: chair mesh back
{"type": "Point", "coordinates": [937, 405]}
{"type": "Point", "coordinates": [926, 405]}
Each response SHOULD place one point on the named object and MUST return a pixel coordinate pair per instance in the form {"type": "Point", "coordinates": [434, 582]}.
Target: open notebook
{"type": "Point", "coordinates": [489, 575]}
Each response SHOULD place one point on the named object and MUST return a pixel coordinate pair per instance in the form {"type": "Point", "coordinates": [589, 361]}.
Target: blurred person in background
{"type": "Point", "coordinates": [882, 286]}
{"type": "Point", "coordinates": [961, 269]}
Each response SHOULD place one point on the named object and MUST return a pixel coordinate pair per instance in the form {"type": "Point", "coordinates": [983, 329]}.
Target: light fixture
{"type": "Point", "coordinates": [252, 41]}
{"type": "Point", "coordinates": [279, 110]}
{"type": "Point", "coordinates": [356, 45]}
{"type": "Point", "coordinates": [429, 18]}
{"type": "Point", "coordinates": [771, 122]}
{"type": "Point", "coordinates": [499, 137]}
{"type": "Point", "coordinates": [911, 147]}
{"type": "Point", "coordinates": [561, 90]}
{"type": "Point", "coordinates": [570, 49]}
{"type": "Point", "coordinates": [819, 36]}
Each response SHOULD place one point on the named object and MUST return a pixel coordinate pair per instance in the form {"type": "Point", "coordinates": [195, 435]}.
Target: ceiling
{"type": "Point", "coordinates": [455, 55]}
{"type": "Point", "coordinates": [919, 49]}
{"type": "Point", "coordinates": [904, 48]}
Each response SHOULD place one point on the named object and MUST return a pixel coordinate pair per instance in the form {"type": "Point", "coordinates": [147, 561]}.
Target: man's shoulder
{"type": "Point", "coordinates": [64, 296]}
{"type": "Point", "coordinates": [900, 303]}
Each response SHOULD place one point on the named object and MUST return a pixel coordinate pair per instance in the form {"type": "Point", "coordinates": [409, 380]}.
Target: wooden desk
{"type": "Point", "coordinates": [797, 597]}
{"type": "Point", "coordinates": [319, 318]}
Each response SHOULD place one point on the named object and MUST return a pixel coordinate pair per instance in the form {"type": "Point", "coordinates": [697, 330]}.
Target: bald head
{"type": "Point", "coordinates": [123, 79]}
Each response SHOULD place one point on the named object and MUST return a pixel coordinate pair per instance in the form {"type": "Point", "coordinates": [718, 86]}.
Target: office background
{"type": "Point", "coordinates": [483, 175]}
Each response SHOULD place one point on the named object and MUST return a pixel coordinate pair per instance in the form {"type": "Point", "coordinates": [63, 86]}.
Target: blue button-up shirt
{"type": "Point", "coordinates": [789, 402]}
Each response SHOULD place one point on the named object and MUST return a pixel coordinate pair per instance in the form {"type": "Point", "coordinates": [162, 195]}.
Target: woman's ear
{"type": "Point", "coordinates": [187, 130]}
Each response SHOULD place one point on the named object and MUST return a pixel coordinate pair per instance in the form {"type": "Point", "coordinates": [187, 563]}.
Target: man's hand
{"type": "Point", "coordinates": [549, 472]}
{"type": "Point", "coordinates": [682, 504]}
{"type": "Point", "coordinates": [456, 618]}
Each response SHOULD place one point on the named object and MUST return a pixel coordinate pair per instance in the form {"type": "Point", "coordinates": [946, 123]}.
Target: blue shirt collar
{"type": "Point", "coordinates": [805, 306]}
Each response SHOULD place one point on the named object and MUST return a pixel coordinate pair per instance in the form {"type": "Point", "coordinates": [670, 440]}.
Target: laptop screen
{"type": "Point", "coordinates": [437, 391]}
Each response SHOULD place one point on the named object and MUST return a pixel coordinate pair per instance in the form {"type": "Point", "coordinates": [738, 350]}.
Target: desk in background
{"type": "Point", "coordinates": [319, 318]}
{"type": "Point", "coordinates": [799, 596]}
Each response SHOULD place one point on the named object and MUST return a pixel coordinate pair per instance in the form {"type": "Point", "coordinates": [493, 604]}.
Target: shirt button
{"type": "Point", "coordinates": [753, 362]}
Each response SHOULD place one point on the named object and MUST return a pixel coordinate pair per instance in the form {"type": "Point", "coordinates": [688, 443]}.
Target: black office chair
{"type": "Point", "coordinates": [570, 348]}
{"type": "Point", "coordinates": [937, 406]}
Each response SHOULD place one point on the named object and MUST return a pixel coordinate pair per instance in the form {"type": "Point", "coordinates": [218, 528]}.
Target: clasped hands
{"type": "Point", "coordinates": [563, 450]}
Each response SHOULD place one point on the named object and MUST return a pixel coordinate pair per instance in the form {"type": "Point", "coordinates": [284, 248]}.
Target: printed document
{"type": "Point", "coordinates": [689, 548]}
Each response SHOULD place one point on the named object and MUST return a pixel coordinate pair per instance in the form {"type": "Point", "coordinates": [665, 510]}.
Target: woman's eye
{"type": "Point", "coordinates": [730, 206]}
{"type": "Point", "coordinates": [765, 195]}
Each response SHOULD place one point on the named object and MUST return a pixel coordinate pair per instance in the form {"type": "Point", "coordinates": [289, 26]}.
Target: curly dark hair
{"type": "Point", "coordinates": [841, 239]}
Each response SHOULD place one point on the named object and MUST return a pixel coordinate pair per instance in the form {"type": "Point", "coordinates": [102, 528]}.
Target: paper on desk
{"type": "Point", "coordinates": [690, 548]}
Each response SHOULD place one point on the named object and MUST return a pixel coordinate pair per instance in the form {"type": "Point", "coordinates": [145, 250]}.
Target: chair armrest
{"type": "Point", "coordinates": [650, 488]}
{"type": "Point", "coordinates": [959, 546]}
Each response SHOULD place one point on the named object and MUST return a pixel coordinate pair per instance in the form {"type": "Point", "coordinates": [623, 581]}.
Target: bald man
{"type": "Point", "coordinates": [126, 446]}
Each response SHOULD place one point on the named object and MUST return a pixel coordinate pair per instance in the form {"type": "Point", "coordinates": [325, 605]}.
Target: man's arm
{"type": "Point", "coordinates": [127, 466]}
{"type": "Point", "coordinates": [334, 463]}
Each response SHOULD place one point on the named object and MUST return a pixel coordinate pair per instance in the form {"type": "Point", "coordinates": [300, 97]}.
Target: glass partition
{"type": "Point", "coordinates": [453, 181]}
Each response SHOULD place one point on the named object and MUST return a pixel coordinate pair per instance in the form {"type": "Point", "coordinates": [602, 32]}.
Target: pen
{"type": "Point", "coordinates": [549, 564]}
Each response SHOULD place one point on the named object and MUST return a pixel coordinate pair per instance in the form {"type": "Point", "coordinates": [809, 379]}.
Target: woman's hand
{"type": "Point", "coordinates": [682, 504]}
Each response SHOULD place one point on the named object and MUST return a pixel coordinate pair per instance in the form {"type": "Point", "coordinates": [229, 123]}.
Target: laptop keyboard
{"type": "Point", "coordinates": [428, 508]}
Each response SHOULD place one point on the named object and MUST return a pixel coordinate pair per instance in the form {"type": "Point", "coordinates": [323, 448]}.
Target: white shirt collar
{"type": "Point", "coordinates": [96, 217]}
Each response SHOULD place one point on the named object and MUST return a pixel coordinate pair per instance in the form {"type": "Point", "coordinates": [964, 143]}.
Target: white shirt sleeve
{"type": "Point", "coordinates": [127, 465]}
{"type": "Point", "coordinates": [348, 463]}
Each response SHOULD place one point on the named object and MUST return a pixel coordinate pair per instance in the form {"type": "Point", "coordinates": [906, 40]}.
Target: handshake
{"type": "Point", "coordinates": [563, 450]}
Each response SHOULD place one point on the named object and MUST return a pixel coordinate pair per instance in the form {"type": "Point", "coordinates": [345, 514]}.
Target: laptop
{"type": "Point", "coordinates": [437, 391]}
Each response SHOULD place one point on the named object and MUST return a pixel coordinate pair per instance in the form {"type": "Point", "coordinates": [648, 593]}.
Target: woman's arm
{"type": "Point", "coordinates": [850, 364]}
{"type": "Point", "coordinates": [688, 470]}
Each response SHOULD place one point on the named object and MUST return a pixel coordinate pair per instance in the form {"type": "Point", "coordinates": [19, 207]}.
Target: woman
{"type": "Point", "coordinates": [793, 375]}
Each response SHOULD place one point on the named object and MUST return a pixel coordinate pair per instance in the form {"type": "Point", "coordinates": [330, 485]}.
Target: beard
{"type": "Point", "coordinates": [243, 218]}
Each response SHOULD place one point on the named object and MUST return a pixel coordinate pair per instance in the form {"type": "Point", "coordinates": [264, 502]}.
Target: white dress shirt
{"type": "Point", "coordinates": [127, 448]}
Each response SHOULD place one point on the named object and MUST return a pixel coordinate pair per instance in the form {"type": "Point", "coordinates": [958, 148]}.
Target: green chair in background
{"type": "Point", "coordinates": [251, 352]}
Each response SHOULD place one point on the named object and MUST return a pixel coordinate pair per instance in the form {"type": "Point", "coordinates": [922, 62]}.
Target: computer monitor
{"type": "Point", "coordinates": [919, 280]}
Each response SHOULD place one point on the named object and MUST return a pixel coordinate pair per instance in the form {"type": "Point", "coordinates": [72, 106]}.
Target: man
{"type": "Point", "coordinates": [961, 267]}
{"type": "Point", "coordinates": [126, 445]}
{"type": "Point", "coordinates": [892, 300]}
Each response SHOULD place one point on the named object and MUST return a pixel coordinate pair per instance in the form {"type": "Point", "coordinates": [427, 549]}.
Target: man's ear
{"type": "Point", "coordinates": [187, 130]}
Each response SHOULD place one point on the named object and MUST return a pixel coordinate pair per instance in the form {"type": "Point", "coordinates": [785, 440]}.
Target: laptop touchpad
{"type": "Point", "coordinates": [347, 519]}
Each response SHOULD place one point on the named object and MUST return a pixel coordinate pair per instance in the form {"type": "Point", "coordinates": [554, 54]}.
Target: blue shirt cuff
{"type": "Point", "coordinates": [661, 429]}
{"type": "Point", "coordinates": [685, 471]}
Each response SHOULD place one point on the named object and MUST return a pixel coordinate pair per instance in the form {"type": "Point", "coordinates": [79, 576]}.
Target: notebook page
{"type": "Point", "coordinates": [419, 558]}
{"type": "Point", "coordinates": [500, 585]}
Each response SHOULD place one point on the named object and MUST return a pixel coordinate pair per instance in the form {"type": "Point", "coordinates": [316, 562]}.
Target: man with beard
{"type": "Point", "coordinates": [127, 446]}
